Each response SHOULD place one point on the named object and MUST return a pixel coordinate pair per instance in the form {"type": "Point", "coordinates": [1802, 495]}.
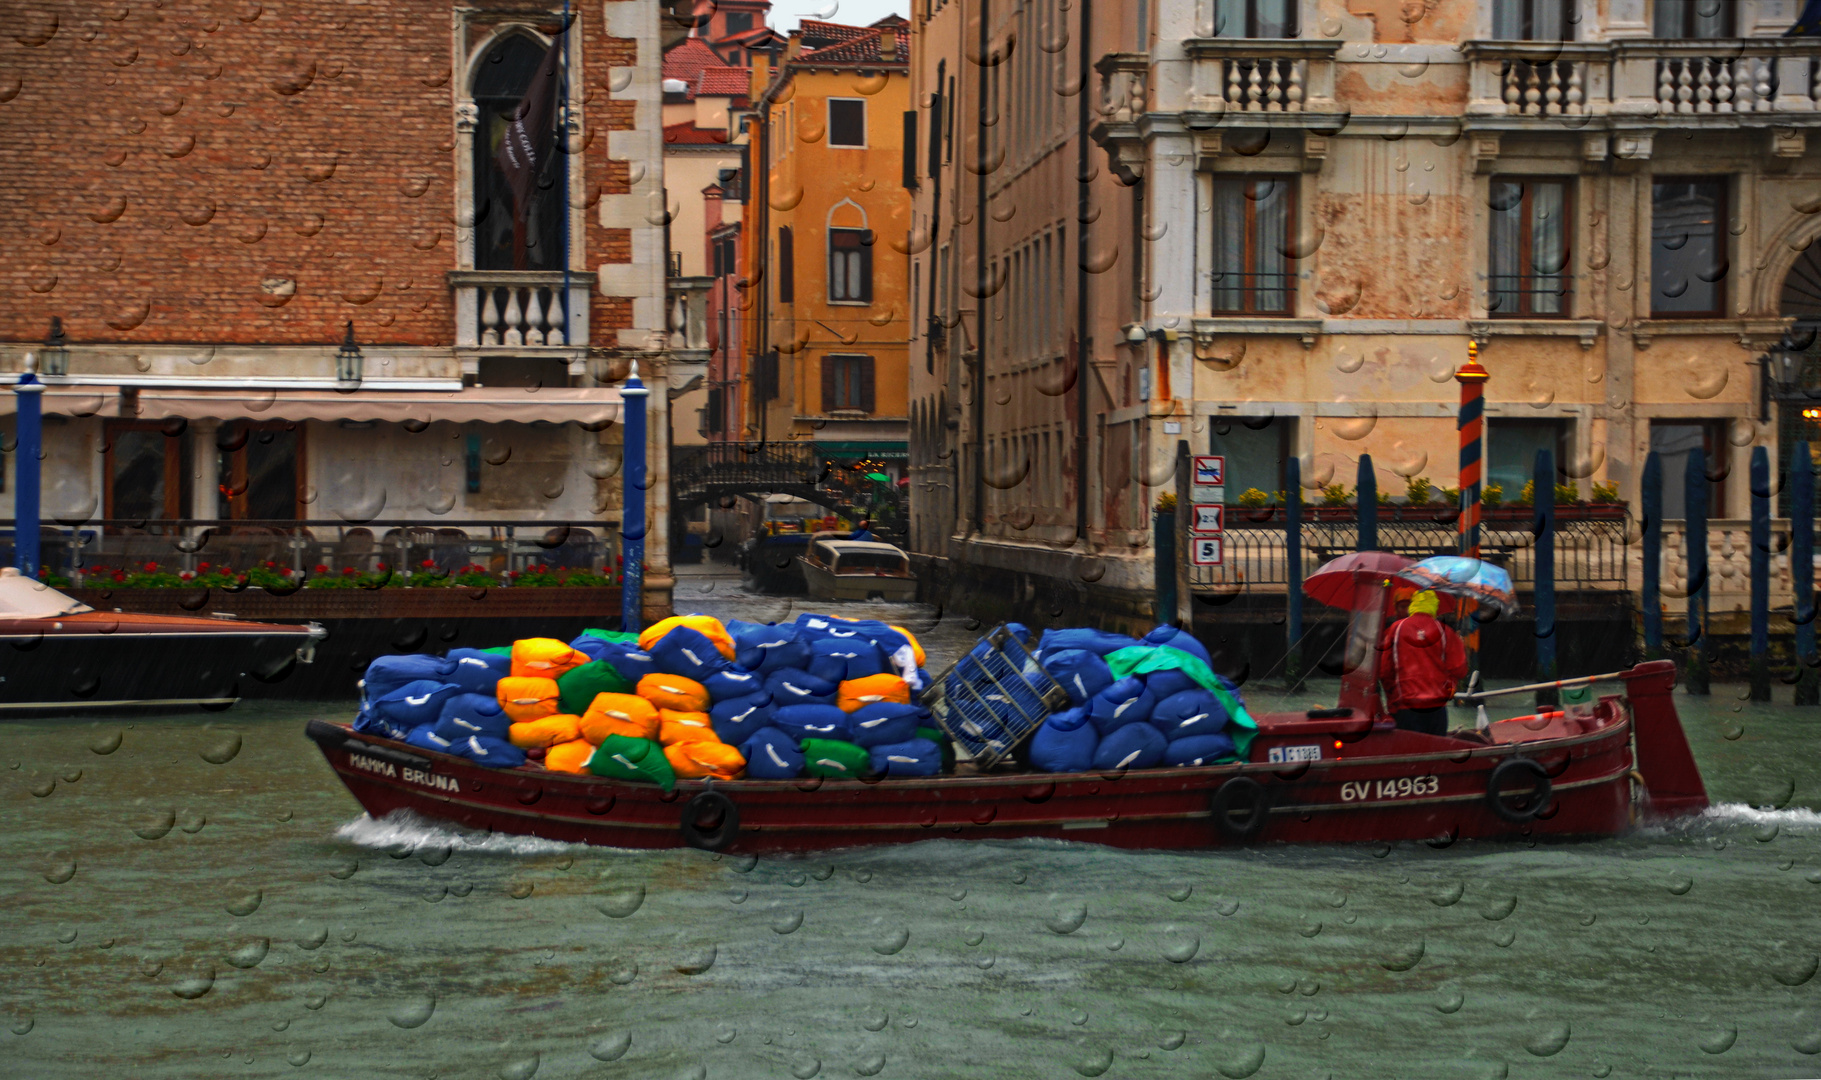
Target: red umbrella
{"type": "Point", "coordinates": [1333, 583]}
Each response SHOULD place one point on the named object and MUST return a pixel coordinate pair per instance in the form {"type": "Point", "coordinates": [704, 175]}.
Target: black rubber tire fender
{"type": "Point", "coordinates": [1509, 770]}
{"type": "Point", "coordinates": [1243, 794]}
{"type": "Point", "coordinates": [710, 804]}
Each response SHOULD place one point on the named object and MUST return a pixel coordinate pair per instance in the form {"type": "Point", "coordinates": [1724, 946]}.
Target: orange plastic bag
{"type": "Point", "coordinates": [674, 692]}
{"type": "Point", "coordinates": [544, 657]}
{"type": "Point", "coordinates": [706, 625]}
{"type": "Point", "coordinates": [681, 727]}
{"type": "Point", "coordinates": [857, 693]}
{"type": "Point", "coordinates": [619, 714]}
{"type": "Point", "coordinates": [699, 760]}
{"type": "Point", "coordinates": [548, 731]}
{"type": "Point", "coordinates": [571, 757]}
{"type": "Point", "coordinates": [525, 698]}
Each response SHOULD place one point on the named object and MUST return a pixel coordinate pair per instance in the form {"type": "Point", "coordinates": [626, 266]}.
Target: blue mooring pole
{"type": "Point", "coordinates": [632, 527]}
{"type": "Point", "coordinates": [1694, 540]}
{"type": "Point", "coordinates": [1543, 481]}
{"type": "Point", "coordinates": [1802, 571]}
{"type": "Point", "coordinates": [1367, 493]}
{"type": "Point", "coordinates": [1651, 601]}
{"type": "Point", "coordinates": [1760, 574]}
{"type": "Point", "coordinates": [29, 456]}
{"type": "Point", "coordinates": [1293, 570]}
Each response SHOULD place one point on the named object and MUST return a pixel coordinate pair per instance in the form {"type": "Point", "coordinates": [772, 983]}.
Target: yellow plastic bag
{"type": "Point", "coordinates": [544, 658]}
{"type": "Point", "coordinates": [619, 714]}
{"type": "Point", "coordinates": [570, 757]}
{"type": "Point", "coordinates": [699, 760]}
{"type": "Point", "coordinates": [681, 727]}
{"type": "Point", "coordinates": [858, 693]}
{"type": "Point", "coordinates": [674, 692]}
{"type": "Point", "coordinates": [706, 625]}
{"type": "Point", "coordinates": [547, 731]}
{"type": "Point", "coordinates": [526, 698]}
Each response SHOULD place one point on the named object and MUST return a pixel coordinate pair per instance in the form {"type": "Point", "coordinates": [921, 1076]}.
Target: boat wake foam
{"type": "Point", "coordinates": [407, 828]}
{"type": "Point", "coordinates": [1796, 817]}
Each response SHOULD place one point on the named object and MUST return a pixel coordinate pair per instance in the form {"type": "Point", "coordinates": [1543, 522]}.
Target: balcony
{"type": "Point", "coordinates": [1280, 82]}
{"type": "Point", "coordinates": [518, 310]}
{"type": "Point", "coordinates": [1737, 81]}
{"type": "Point", "coordinates": [688, 321]}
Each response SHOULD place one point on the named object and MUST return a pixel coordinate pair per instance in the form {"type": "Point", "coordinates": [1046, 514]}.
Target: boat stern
{"type": "Point", "coordinates": [1671, 777]}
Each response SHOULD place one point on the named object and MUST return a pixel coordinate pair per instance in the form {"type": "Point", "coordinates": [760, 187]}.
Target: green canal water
{"type": "Point", "coordinates": [199, 897]}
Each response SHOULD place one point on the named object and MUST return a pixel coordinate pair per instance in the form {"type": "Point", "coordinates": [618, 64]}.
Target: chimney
{"type": "Point", "coordinates": [888, 43]}
{"type": "Point", "coordinates": [794, 45]}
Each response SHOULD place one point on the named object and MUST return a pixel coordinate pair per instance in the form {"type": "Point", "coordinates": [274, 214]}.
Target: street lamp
{"type": "Point", "coordinates": [1782, 366]}
{"type": "Point", "coordinates": [348, 361]}
{"type": "Point", "coordinates": [54, 358]}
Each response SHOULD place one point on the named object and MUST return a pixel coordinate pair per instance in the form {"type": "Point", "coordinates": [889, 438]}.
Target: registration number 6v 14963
{"type": "Point", "coordinates": [1401, 788]}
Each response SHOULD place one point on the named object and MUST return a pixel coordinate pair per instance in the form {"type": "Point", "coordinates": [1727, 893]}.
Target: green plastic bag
{"type": "Point", "coordinates": [613, 635]}
{"type": "Point", "coordinates": [623, 757]}
{"type": "Point", "coordinates": [499, 650]}
{"type": "Point", "coordinates": [577, 687]}
{"type": "Point", "coordinates": [835, 760]}
{"type": "Point", "coordinates": [1143, 659]}
{"type": "Point", "coordinates": [940, 738]}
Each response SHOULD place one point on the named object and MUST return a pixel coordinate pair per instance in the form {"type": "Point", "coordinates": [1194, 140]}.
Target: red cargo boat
{"type": "Point", "coordinates": [1324, 776]}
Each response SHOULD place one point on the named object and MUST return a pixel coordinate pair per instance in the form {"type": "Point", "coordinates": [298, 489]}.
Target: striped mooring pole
{"type": "Point", "coordinates": [1472, 425]}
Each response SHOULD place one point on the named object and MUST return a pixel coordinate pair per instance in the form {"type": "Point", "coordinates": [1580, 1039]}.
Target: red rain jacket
{"type": "Point", "coordinates": [1422, 663]}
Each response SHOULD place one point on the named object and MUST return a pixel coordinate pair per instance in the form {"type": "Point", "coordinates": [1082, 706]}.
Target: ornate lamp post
{"type": "Point", "coordinates": [348, 361]}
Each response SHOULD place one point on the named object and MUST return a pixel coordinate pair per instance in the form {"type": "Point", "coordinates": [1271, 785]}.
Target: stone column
{"type": "Point", "coordinates": [660, 580]}
{"type": "Point", "coordinates": [206, 460]}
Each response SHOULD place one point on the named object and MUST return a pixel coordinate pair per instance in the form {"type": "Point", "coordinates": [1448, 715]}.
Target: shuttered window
{"type": "Point", "coordinates": [847, 384]}
{"type": "Point", "coordinates": [850, 265]}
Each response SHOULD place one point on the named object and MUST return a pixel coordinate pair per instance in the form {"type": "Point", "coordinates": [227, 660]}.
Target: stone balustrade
{"type": "Point", "coordinates": [521, 309]}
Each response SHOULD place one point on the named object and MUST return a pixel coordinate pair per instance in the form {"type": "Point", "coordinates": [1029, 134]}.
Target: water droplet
{"type": "Point", "coordinates": [698, 962]}
{"type": "Point", "coordinates": [1067, 918]}
{"type": "Point", "coordinates": [624, 973]}
{"type": "Point", "coordinates": [522, 1069]}
{"type": "Point", "coordinates": [1094, 1062]}
{"type": "Point", "coordinates": [622, 903]}
{"type": "Point", "coordinates": [875, 1021]}
{"type": "Point", "coordinates": [245, 904]}
{"type": "Point", "coordinates": [196, 985]}
{"type": "Point", "coordinates": [1680, 883]}
{"type": "Point", "coordinates": [870, 1065]}
{"type": "Point", "coordinates": [60, 873]}
{"type": "Point", "coordinates": [1720, 1041]}
{"type": "Point", "coordinates": [787, 923]}
{"type": "Point", "coordinates": [519, 890]}
{"type": "Point", "coordinates": [1243, 1057]}
{"type": "Point", "coordinates": [1796, 969]}
{"type": "Point", "coordinates": [299, 1058]}
{"type": "Point", "coordinates": [221, 750]}
{"type": "Point", "coordinates": [892, 942]}
{"type": "Point", "coordinates": [1180, 948]}
{"type": "Point", "coordinates": [1450, 1002]}
{"type": "Point", "coordinates": [805, 1068]}
{"type": "Point", "coordinates": [1448, 895]}
{"type": "Point", "coordinates": [107, 742]}
{"type": "Point", "coordinates": [413, 1012]}
{"type": "Point", "coordinates": [1404, 957]}
{"type": "Point", "coordinates": [1172, 1040]}
{"type": "Point", "coordinates": [1179, 893]}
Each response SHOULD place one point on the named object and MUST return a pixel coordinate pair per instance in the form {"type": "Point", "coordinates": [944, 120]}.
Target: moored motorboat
{"type": "Point", "coordinates": [65, 656]}
{"type": "Point", "coordinates": [857, 570]}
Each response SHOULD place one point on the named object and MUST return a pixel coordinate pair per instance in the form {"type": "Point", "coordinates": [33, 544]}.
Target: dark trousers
{"type": "Point", "coordinates": [1428, 721]}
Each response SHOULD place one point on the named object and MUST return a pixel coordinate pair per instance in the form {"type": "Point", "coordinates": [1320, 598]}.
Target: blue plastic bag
{"type": "Point", "coordinates": [913, 757]}
{"type": "Point", "coordinates": [771, 755]}
{"type": "Point", "coordinates": [630, 661]}
{"type": "Point", "coordinates": [415, 703]}
{"type": "Point", "coordinates": [811, 722]}
{"type": "Point", "coordinates": [687, 652]}
{"type": "Point", "coordinates": [370, 721]}
{"type": "Point", "coordinates": [493, 753]}
{"type": "Point", "coordinates": [1098, 642]}
{"type": "Point", "coordinates": [1059, 749]}
{"type": "Point", "coordinates": [1189, 714]}
{"type": "Point", "coordinates": [1069, 719]}
{"type": "Point", "coordinates": [736, 719]}
{"type": "Point", "coordinates": [1200, 750]}
{"type": "Point", "coordinates": [1081, 673]}
{"type": "Point", "coordinates": [839, 659]}
{"type": "Point", "coordinates": [791, 687]}
{"type": "Point", "coordinates": [1163, 684]}
{"type": "Point", "coordinates": [1123, 703]}
{"type": "Point", "coordinates": [388, 673]}
{"type": "Point", "coordinates": [478, 672]}
{"type": "Point", "coordinates": [426, 738]}
{"type": "Point", "coordinates": [1134, 746]}
{"type": "Point", "coordinates": [884, 722]}
{"type": "Point", "coordinates": [733, 682]}
{"type": "Point", "coordinates": [1173, 638]}
{"type": "Point", "coordinates": [472, 714]}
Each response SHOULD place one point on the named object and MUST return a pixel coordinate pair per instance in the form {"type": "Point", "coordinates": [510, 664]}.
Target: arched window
{"type": "Point", "coordinates": [501, 240]}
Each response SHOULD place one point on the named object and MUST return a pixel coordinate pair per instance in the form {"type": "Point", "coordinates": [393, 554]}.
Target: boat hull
{"type": "Point", "coordinates": [825, 585]}
{"type": "Point", "coordinates": [1417, 788]}
{"type": "Point", "coordinates": [127, 670]}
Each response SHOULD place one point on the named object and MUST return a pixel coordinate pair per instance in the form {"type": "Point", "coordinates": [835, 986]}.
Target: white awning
{"type": "Point", "coordinates": [488, 405]}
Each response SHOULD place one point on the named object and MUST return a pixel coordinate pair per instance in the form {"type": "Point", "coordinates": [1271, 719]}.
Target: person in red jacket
{"type": "Point", "coordinates": [1422, 663]}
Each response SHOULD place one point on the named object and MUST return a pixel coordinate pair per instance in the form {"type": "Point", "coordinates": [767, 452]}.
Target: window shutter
{"type": "Point", "coordinates": [829, 400]}
{"type": "Point", "coordinates": [865, 366]}
{"type": "Point", "coordinates": [935, 136]}
{"type": "Point", "coordinates": [862, 284]}
{"type": "Point", "coordinates": [910, 149]}
{"type": "Point", "coordinates": [787, 266]}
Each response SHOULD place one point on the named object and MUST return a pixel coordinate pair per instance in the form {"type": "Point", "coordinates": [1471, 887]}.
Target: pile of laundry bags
{"type": "Point", "coordinates": [1137, 704]}
{"type": "Point", "coordinates": [688, 697]}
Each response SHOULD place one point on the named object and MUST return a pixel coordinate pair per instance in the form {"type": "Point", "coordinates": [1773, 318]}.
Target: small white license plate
{"type": "Point", "coordinates": [1280, 754]}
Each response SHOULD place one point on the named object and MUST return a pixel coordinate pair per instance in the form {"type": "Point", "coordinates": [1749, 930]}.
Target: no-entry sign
{"type": "Point", "coordinates": [1208, 518]}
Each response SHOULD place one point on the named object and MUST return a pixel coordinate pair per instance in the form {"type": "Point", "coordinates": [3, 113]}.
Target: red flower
{"type": "Point", "coordinates": [321, 569]}
{"type": "Point", "coordinates": [270, 563]}
{"type": "Point", "coordinates": [347, 569]}
{"type": "Point", "coordinates": [287, 571]}
{"type": "Point", "coordinates": [186, 575]}
{"type": "Point", "coordinates": [151, 568]}
{"type": "Point", "coordinates": [202, 566]}
{"type": "Point", "coordinates": [428, 564]}
{"type": "Point", "coordinates": [383, 568]}
{"type": "Point", "coordinates": [118, 576]}
{"type": "Point", "coordinates": [512, 573]}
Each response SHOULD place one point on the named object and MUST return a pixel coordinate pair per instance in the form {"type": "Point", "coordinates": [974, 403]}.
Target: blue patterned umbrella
{"type": "Point", "coordinates": [1457, 575]}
